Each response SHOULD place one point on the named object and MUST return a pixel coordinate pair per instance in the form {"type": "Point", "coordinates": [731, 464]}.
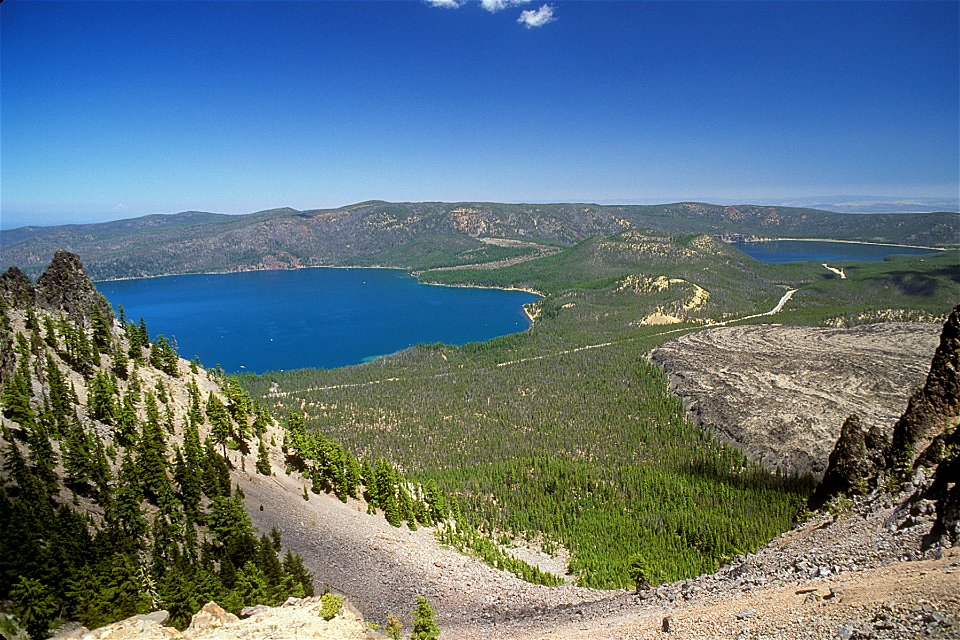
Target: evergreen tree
{"type": "Point", "coordinates": [220, 427]}
{"type": "Point", "coordinates": [263, 459]}
{"type": "Point", "coordinates": [102, 399]}
{"type": "Point", "coordinates": [251, 586]}
{"type": "Point", "coordinates": [216, 475]}
{"type": "Point", "coordinates": [129, 518]}
{"type": "Point", "coordinates": [62, 400]}
{"type": "Point", "coordinates": [164, 357]}
{"type": "Point", "coordinates": [294, 567]}
{"type": "Point", "coordinates": [77, 453]}
{"type": "Point", "coordinates": [125, 425]}
{"type": "Point", "coordinates": [100, 325]}
{"type": "Point", "coordinates": [424, 625]}
{"type": "Point", "coordinates": [35, 606]}
{"type": "Point", "coordinates": [50, 332]}
{"type": "Point", "coordinates": [386, 490]}
{"type": "Point", "coordinates": [151, 453]}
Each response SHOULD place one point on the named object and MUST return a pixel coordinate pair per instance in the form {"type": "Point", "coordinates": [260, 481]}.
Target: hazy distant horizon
{"type": "Point", "coordinates": [120, 109]}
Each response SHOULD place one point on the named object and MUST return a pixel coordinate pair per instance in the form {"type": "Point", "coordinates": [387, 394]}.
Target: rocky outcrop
{"type": "Point", "coordinates": [297, 618]}
{"type": "Point", "coordinates": [933, 410]}
{"type": "Point", "coordinates": [16, 288]}
{"type": "Point", "coordinates": [857, 457]}
{"type": "Point", "coordinates": [65, 286]}
{"type": "Point", "coordinates": [924, 438]}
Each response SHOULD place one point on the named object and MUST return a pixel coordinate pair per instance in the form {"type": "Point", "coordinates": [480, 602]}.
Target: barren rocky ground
{"type": "Point", "coordinates": [859, 574]}
{"type": "Point", "coordinates": [781, 393]}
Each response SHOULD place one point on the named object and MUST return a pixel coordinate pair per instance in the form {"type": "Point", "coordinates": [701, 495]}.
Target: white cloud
{"type": "Point", "coordinates": [446, 4]}
{"type": "Point", "coordinates": [498, 5]}
{"type": "Point", "coordinates": [538, 18]}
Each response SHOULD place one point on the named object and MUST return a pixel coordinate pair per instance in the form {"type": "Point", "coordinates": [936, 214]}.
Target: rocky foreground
{"type": "Point", "coordinates": [298, 618]}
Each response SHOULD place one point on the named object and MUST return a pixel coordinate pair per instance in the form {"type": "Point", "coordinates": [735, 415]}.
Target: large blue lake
{"type": "Point", "coordinates": [820, 251]}
{"type": "Point", "coordinates": [270, 320]}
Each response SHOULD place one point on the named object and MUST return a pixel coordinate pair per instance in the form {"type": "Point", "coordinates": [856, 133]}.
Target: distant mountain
{"type": "Point", "coordinates": [869, 204]}
{"type": "Point", "coordinates": [422, 235]}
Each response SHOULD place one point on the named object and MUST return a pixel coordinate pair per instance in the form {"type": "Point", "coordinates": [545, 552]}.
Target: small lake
{"type": "Point", "coordinates": [270, 320]}
{"type": "Point", "coordinates": [821, 251]}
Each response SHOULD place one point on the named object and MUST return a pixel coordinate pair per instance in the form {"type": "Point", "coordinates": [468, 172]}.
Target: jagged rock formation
{"type": "Point", "coordinates": [857, 457]}
{"type": "Point", "coordinates": [932, 411]}
{"type": "Point", "coordinates": [925, 437]}
{"type": "Point", "coordinates": [64, 285]}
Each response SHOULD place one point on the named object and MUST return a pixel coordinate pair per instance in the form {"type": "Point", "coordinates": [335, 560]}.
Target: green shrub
{"type": "Point", "coordinates": [330, 605]}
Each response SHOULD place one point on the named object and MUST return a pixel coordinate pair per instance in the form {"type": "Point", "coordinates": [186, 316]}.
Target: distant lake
{"type": "Point", "coordinates": [270, 320]}
{"type": "Point", "coordinates": [821, 251]}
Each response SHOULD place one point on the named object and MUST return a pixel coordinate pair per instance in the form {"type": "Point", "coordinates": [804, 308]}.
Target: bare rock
{"type": "Point", "coordinates": [856, 458]}
{"type": "Point", "coordinates": [669, 624]}
{"type": "Point", "coordinates": [211, 616]}
{"type": "Point", "coordinates": [933, 409]}
{"type": "Point", "coordinates": [16, 287]}
{"type": "Point", "coordinates": [139, 627]}
{"type": "Point", "coordinates": [65, 286]}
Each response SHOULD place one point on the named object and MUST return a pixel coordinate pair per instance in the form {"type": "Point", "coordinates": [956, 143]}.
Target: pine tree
{"type": "Point", "coordinates": [294, 567]}
{"type": "Point", "coordinates": [164, 357]}
{"type": "Point", "coordinates": [263, 459]}
{"type": "Point", "coordinates": [77, 453]}
{"type": "Point", "coordinates": [35, 606]}
{"type": "Point", "coordinates": [101, 399]}
{"type": "Point", "coordinates": [61, 398]}
{"type": "Point", "coordinates": [100, 324]}
{"type": "Point", "coordinates": [125, 426]}
{"type": "Point", "coordinates": [387, 498]}
{"type": "Point", "coordinates": [216, 475]}
{"type": "Point", "coordinates": [424, 625]}
{"type": "Point", "coordinates": [129, 518]}
{"type": "Point", "coordinates": [220, 427]}
{"type": "Point", "coordinates": [151, 453]}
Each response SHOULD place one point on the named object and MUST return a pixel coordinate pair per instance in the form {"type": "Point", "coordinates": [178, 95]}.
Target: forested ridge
{"type": "Point", "coordinates": [115, 486]}
{"type": "Point", "coordinates": [424, 235]}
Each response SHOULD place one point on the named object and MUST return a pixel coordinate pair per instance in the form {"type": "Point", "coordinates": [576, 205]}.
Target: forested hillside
{"type": "Point", "coordinates": [116, 498]}
{"type": "Point", "coordinates": [423, 235]}
{"type": "Point", "coordinates": [566, 434]}
{"type": "Point", "coordinates": [116, 493]}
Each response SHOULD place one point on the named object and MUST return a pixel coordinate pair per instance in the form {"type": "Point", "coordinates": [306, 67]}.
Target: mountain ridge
{"type": "Point", "coordinates": [377, 233]}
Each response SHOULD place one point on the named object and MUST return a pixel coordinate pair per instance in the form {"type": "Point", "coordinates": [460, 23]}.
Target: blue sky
{"type": "Point", "coordinates": [112, 110]}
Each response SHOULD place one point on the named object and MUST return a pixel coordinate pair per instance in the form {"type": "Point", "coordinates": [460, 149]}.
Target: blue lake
{"type": "Point", "coordinates": [270, 320]}
{"type": "Point", "coordinates": [820, 251]}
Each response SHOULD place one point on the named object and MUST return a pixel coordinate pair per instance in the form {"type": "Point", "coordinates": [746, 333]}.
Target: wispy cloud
{"type": "Point", "coordinates": [498, 5]}
{"type": "Point", "coordinates": [446, 4]}
{"type": "Point", "coordinates": [537, 18]}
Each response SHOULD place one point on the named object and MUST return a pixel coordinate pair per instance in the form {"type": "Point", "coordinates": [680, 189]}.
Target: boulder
{"type": "Point", "coordinates": [211, 616]}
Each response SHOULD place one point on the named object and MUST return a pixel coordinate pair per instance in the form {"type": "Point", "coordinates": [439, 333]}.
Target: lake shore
{"type": "Point", "coordinates": [876, 244]}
